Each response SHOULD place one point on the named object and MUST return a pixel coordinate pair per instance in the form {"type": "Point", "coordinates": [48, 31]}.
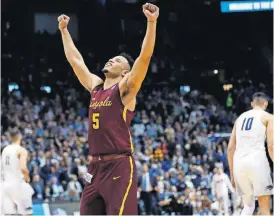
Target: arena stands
{"type": "Point", "coordinates": [180, 135]}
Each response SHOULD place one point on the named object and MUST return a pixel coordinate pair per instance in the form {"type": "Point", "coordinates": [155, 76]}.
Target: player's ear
{"type": "Point", "coordinates": [125, 72]}
{"type": "Point", "coordinates": [266, 104]}
{"type": "Point", "coordinates": [252, 104]}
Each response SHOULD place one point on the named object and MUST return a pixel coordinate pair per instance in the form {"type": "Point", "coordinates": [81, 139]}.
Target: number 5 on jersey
{"type": "Point", "coordinates": [95, 120]}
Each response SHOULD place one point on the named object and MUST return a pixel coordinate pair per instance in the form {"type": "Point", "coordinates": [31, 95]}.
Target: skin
{"type": "Point", "coordinates": [23, 157]}
{"type": "Point", "coordinates": [267, 120]}
{"type": "Point", "coordinates": [117, 69]}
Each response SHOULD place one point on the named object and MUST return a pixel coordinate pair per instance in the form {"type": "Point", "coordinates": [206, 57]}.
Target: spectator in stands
{"type": "Point", "coordinates": [38, 187]}
{"type": "Point", "coordinates": [57, 190]}
{"type": "Point", "coordinates": [146, 184]}
{"type": "Point", "coordinates": [74, 189]}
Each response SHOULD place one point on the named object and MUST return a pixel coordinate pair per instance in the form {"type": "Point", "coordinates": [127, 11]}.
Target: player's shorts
{"type": "Point", "coordinates": [112, 188]}
{"type": "Point", "coordinates": [252, 175]}
{"type": "Point", "coordinates": [17, 198]}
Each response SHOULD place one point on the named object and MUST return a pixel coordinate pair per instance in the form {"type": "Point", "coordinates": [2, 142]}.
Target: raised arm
{"type": "Point", "coordinates": [230, 153]}
{"type": "Point", "coordinates": [269, 135]}
{"type": "Point", "coordinates": [131, 84]}
{"type": "Point", "coordinates": [87, 79]}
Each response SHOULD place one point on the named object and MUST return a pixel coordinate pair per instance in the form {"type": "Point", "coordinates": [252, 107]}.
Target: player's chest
{"type": "Point", "coordinates": [104, 102]}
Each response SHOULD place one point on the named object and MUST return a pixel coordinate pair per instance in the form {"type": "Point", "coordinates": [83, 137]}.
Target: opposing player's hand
{"type": "Point", "coordinates": [151, 12]}
{"type": "Point", "coordinates": [63, 21]}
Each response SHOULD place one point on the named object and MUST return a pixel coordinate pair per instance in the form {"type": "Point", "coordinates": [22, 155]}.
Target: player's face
{"type": "Point", "coordinates": [115, 67]}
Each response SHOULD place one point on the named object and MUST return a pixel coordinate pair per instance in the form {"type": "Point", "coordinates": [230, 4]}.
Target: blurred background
{"type": "Point", "coordinates": [210, 57]}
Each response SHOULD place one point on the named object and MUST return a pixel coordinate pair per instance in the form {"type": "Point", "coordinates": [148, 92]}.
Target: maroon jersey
{"type": "Point", "coordinates": [109, 123]}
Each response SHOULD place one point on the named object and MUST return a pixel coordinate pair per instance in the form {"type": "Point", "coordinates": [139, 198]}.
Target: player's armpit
{"type": "Point", "coordinates": [132, 82]}
{"type": "Point", "coordinates": [128, 97]}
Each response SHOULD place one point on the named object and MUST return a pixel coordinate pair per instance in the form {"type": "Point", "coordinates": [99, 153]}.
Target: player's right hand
{"type": "Point", "coordinates": [63, 21]}
{"type": "Point", "coordinates": [27, 178]}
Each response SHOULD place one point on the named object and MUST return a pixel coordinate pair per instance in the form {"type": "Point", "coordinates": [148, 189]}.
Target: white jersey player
{"type": "Point", "coordinates": [220, 188]}
{"type": "Point", "coordinates": [248, 164]}
{"type": "Point", "coordinates": [17, 193]}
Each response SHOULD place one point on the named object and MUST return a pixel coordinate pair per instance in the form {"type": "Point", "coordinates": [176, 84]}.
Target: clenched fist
{"type": "Point", "coordinates": [63, 21]}
{"type": "Point", "coordinates": [151, 12]}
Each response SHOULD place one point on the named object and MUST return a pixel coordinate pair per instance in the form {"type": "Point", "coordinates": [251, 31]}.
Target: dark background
{"type": "Point", "coordinates": [201, 39]}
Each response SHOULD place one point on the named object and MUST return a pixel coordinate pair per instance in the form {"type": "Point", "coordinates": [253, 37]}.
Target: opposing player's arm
{"type": "Point", "coordinates": [23, 157]}
{"type": "Point", "coordinates": [269, 135]}
{"type": "Point", "coordinates": [131, 84]}
{"type": "Point", "coordinates": [87, 79]}
{"type": "Point", "coordinates": [231, 150]}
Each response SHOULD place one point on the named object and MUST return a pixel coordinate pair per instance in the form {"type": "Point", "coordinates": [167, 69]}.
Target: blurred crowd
{"type": "Point", "coordinates": [180, 136]}
{"type": "Point", "coordinates": [180, 142]}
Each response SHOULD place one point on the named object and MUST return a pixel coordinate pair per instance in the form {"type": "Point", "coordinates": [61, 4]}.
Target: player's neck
{"type": "Point", "coordinates": [15, 143]}
{"type": "Point", "coordinates": [109, 82]}
{"type": "Point", "coordinates": [257, 108]}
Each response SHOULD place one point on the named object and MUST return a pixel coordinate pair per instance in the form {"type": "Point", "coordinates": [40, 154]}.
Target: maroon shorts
{"type": "Point", "coordinates": [112, 189]}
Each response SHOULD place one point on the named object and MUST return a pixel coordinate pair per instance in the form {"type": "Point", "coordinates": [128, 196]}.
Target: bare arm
{"type": "Point", "coordinates": [269, 135]}
{"type": "Point", "coordinates": [87, 79]}
{"type": "Point", "coordinates": [23, 157]}
{"type": "Point", "coordinates": [131, 84]}
{"type": "Point", "coordinates": [230, 152]}
{"type": "Point", "coordinates": [228, 183]}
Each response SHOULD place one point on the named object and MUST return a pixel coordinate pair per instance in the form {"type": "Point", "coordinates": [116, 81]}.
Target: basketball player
{"type": "Point", "coordinates": [17, 193]}
{"type": "Point", "coordinates": [220, 188]}
{"type": "Point", "coordinates": [112, 187]}
{"type": "Point", "coordinates": [248, 164]}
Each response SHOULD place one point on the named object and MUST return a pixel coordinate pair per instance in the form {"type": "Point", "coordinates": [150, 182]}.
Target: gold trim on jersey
{"type": "Point", "coordinates": [128, 187]}
{"type": "Point", "coordinates": [130, 139]}
{"type": "Point", "coordinates": [125, 114]}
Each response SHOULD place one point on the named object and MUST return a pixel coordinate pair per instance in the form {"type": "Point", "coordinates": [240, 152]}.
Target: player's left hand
{"type": "Point", "coordinates": [151, 12]}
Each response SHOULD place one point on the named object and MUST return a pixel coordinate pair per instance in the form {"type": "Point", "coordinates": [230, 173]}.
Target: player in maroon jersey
{"type": "Point", "coordinates": [112, 187]}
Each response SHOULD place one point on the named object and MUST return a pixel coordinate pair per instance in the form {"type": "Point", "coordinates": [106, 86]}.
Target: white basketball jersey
{"type": "Point", "coordinates": [11, 165]}
{"type": "Point", "coordinates": [250, 133]}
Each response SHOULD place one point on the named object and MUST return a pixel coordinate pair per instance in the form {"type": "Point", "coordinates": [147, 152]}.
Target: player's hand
{"type": "Point", "coordinates": [151, 12]}
{"type": "Point", "coordinates": [27, 178]}
{"type": "Point", "coordinates": [63, 21]}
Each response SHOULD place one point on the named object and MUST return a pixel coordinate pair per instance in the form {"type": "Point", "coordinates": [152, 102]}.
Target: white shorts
{"type": "Point", "coordinates": [252, 175]}
{"type": "Point", "coordinates": [17, 198]}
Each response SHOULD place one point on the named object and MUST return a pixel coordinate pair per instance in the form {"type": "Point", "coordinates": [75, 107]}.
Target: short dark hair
{"type": "Point", "coordinates": [128, 58]}
{"type": "Point", "coordinates": [259, 98]}
{"type": "Point", "coordinates": [259, 95]}
{"type": "Point", "coordinates": [14, 134]}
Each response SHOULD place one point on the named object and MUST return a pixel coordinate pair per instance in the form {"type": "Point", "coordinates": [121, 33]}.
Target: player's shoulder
{"type": "Point", "coordinates": [266, 116]}
{"type": "Point", "coordinates": [23, 150]}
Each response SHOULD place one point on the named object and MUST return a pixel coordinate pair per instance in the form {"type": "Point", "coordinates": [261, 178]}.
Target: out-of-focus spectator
{"type": "Point", "coordinates": [38, 187]}
{"type": "Point", "coordinates": [146, 185]}
{"type": "Point", "coordinates": [74, 189]}
{"type": "Point", "coordinates": [57, 189]}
